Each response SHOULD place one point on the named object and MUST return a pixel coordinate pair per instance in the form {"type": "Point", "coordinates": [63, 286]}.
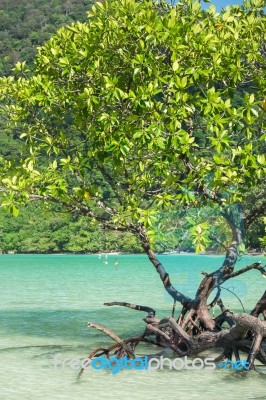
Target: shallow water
{"type": "Point", "coordinates": [47, 301]}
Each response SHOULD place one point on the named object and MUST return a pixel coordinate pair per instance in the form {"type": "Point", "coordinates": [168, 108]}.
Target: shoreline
{"type": "Point", "coordinates": [249, 254]}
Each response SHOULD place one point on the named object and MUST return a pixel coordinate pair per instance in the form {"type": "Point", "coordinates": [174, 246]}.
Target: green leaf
{"type": "Point", "coordinates": [15, 211]}
{"type": "Point", "coordinates": [175, 66]}
{"type": "Point", "coordinates": [261, 159]}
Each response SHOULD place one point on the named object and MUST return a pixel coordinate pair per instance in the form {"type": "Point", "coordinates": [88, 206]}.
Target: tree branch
{"type": "Point", "coordinates": [256, 265]}
{"type": "Point", "coordinates": [150, 311]}
{"type": "Point", "coordinates": [113, 336]}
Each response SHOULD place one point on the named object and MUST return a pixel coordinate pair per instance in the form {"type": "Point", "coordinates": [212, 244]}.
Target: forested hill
{"type": "Point", "coordinates": [25, 25]}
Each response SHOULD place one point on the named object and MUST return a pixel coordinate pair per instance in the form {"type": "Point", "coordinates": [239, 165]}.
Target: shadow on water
{"type": "Point", "coordinates": [70, 324]}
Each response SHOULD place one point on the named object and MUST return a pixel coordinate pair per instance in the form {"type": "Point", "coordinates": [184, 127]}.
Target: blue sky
{"type": "Point", "coordinates": [221, 3]}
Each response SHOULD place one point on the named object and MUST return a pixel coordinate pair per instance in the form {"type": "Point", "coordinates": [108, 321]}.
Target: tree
{"type": "Point", "coordinates": [167, 104]}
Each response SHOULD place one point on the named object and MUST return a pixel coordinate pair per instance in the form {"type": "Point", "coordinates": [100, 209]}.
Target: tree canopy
{"type": "Point", "coordinates": [145, 106]}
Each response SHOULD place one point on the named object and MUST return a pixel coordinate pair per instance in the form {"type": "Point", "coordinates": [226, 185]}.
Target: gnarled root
{"type": "Point", "coordinates": [194, 330]}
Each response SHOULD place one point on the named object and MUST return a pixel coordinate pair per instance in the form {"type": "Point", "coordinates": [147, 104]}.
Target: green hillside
{"type": "Point", "coordinates": [24, 25]}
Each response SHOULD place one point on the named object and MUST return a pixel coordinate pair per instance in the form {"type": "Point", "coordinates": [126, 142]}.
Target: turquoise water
{"type": "Point", "coordinates": [47, 301]}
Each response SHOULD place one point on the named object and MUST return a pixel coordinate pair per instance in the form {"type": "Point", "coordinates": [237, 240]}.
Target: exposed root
{"type": "Point", "coordinates": [260, 307]}
{"type": "Point", "coordinates": [112, 335]}
{"type": "Point", "coordinates": [170, 334]}
{"type": "Point", "coordinates": [195, 330]}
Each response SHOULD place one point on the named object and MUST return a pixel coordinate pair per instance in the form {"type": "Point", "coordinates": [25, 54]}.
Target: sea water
{"type": "Point", "coordinates": [48, 300]}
